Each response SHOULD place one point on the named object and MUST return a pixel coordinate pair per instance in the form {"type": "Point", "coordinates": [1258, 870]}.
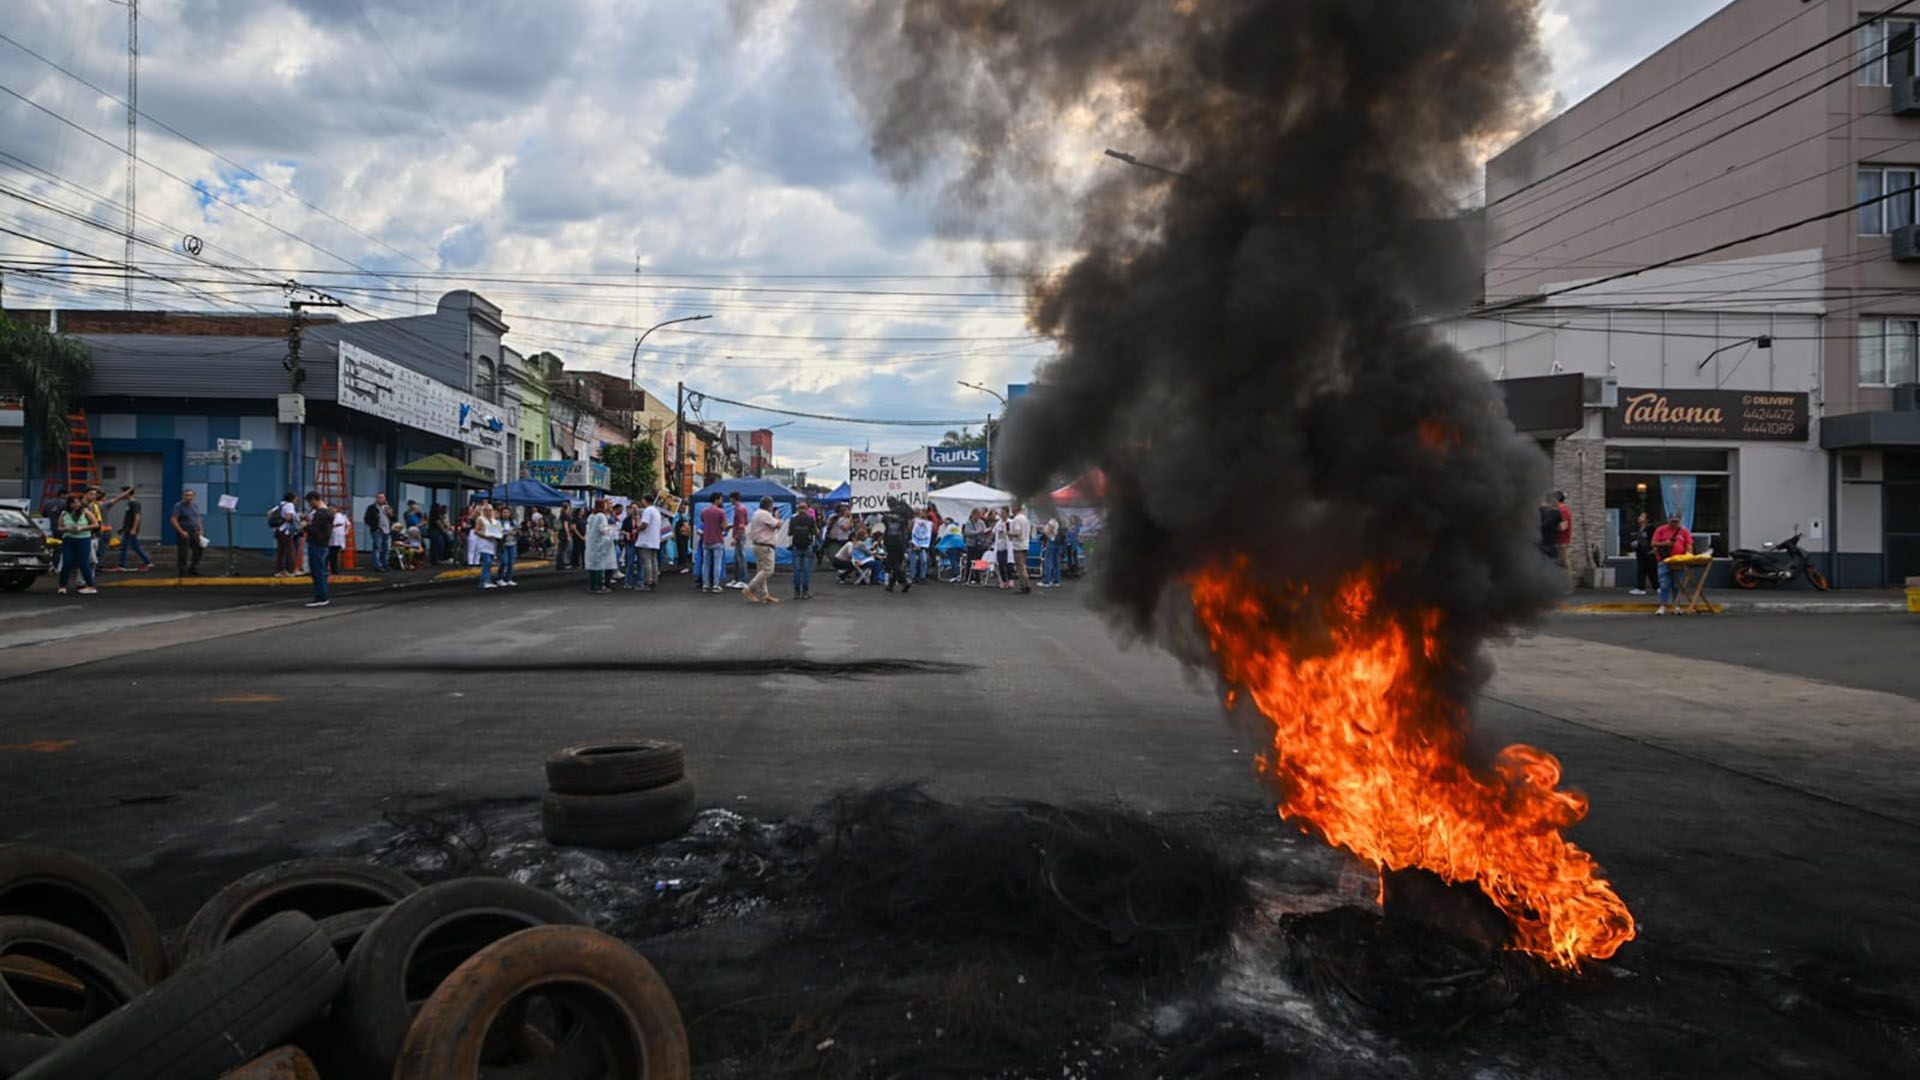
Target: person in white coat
{"type": "Point", "coordinates": [601, 554]}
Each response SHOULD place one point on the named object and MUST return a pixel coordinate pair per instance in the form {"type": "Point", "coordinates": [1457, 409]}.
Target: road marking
{"type": "Point", "coordinates": [42, 746]}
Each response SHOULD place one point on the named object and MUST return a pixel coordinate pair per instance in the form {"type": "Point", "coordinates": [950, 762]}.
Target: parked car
{"type": "Point", "coordinates": [24, 554]}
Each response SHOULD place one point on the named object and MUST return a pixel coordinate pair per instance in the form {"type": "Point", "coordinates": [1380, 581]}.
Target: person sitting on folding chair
{"type": "Point", "coordinates": [854, 562]}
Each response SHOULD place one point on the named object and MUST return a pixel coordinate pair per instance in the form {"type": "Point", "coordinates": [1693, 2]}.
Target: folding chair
{"type": "Point", "coordinates": [978, 570]}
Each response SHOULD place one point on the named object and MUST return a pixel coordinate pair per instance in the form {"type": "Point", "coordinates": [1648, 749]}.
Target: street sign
{"type": "Point", "coordinates": [235, 456]}
{"type": "Point", "coordinates": [236, 444]}
{"type": "Point", "coordinates": [292, 408]}
{"type": "Point", "coordinates": [206, 457]}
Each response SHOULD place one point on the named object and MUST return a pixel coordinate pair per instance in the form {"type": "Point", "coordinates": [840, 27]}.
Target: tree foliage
{"type": "Point", "coordinates": [633, 469]}
{"type": "Point", "coordinates": [50, 372]}
{"type": "Point", "coordinates": [965, 437]}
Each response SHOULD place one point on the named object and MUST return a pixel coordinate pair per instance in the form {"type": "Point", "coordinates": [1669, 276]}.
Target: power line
{"type": "Point", "coordinates": [702, 396]}
{"type": "Point", "coordinates": [1703, 102]}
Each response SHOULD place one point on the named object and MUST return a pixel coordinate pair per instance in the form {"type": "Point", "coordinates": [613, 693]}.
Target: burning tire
{"type": "Point", "coordinates": [317, 888]}
{"type": "Point", "coordinates": [212, 1015]}
{"type": "Point", "coordinates": [615, 768]}
{"type": "Point", "coordinates": [612, 1001]}
{"type": "Point", "coordinates": [81, 895]}
{"type": "Point", "coordinates": [619, 821]}
{"type": "Point", "coordinates": [403, 957]}
{"type": "Point", "coordinates": [55, 981]}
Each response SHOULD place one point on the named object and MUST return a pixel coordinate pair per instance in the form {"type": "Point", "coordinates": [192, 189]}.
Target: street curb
{"type": "Point", "coordinates": [1743, 607]}
{"type": "Point", "coordinates": [468, 573]}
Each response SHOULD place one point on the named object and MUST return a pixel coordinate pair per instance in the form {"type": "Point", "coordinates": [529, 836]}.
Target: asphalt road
{"type": "Point", "coordinates": [1753, 780]}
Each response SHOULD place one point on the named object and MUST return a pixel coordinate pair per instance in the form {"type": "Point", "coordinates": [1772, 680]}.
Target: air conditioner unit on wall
{"type": "Point", "coordinates": [1906, 96]}
{"type": "Point", "coordinates": [1599, 391]}
{"type": "Point", "coordinates": [1906, 243]}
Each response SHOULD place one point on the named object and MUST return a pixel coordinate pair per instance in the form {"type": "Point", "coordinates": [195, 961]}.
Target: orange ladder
{"type": "Point", "coordinates": [330, 480]}
{"type": "Point", "coordinates": [83, 469]}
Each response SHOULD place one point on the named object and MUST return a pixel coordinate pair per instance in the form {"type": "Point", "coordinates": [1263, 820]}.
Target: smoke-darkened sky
{"type": "Point", "coordinates": [565, 138]}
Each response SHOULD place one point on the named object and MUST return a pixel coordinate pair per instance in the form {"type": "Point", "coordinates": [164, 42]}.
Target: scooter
{"type": "Point", "coordinates": [1775, 564]}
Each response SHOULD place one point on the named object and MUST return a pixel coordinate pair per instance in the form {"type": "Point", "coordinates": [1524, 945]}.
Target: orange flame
{"type": "Point", "coordinates": [1369, 751]}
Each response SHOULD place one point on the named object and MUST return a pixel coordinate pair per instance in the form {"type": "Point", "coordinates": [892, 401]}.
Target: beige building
{"type": "Point", "coordinates": [1686, 161]}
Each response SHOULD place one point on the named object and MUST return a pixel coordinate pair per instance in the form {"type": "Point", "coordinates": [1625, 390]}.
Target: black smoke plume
{"type": "Point", "coordinates": [1241, 345]}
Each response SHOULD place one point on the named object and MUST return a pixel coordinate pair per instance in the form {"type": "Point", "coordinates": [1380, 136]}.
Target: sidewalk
{"type": "Point", "coordinates": [1745, 601]}
{"type": "Point", "coordinates": [253, 570]}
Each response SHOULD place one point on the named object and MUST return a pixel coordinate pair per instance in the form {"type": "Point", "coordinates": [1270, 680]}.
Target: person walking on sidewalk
{"type": "Point", "coordinates": [76, 536]}
{"type": "Point", "coordinates": [188, 528]}
{"type": "Point", "coordinates": [319, 537]}
{"type": "Point", "coordinates": [1563, 538]}
{"type": "Point", "coordinates": [379, 522]}
{"type": "Point", "coordinates": [763, 533]}
{"type": "Point", "coordinates": [803, 533]}
{"type": "Point", "coordinates": [130, 522]}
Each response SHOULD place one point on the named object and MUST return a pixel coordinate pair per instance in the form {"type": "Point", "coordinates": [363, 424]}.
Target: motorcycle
{"type": "Point", "coordinates": [1775, 564]}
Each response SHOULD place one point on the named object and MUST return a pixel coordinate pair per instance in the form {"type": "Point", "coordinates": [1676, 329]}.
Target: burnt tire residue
{"type": "Point", "coordinates": [826, 669]}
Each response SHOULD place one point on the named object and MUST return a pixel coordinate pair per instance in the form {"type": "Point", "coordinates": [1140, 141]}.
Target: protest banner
{"type": "Point", "coordinates": [876, 478]}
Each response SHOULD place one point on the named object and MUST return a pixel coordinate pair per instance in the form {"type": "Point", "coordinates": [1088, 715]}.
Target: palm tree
{"type": "Point", "coordinates": [49, 372]}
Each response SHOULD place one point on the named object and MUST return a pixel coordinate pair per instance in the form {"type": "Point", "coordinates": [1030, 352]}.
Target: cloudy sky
{"type": "Point", "coordinates": [390, 150]}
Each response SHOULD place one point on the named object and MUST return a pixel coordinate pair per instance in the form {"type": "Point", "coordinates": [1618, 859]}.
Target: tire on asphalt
{"type": "Point", "coordinates": [601, 981]}
{"type": "Point", "coordinates": [80, 894]}
{"type": "Point", "coordinates": [406, 953]}
{"type": "Point", "coordinates": [17, 1051]}
{"type": "Point", "coordinates": [280, 1063]}
{"type": "Point", "coordinates": [36, 1000]}
{"type": "Point", "coordinates": [212, 1015]}
{"type": "Point", "coordinates": [614, 767]}
{"type": "Point", "coordinates": [618, 821]}
{"type": "Point", "coordinates": [317, 888]}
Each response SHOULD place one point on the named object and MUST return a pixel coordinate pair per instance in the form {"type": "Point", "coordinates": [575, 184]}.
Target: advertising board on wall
{"type": "Point", "coordinates": [570, 474]}
{"type": "Point", "coordinates": [380, 387]}
{"type": "Point", "coordinates": [971, 460]}
{"type": "Point", "coordinates": [1747, 415]}
{"type": "Point", "coordinates": [873, 479]}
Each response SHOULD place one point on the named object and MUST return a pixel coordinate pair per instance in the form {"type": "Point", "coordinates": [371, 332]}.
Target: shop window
{"type": "Point", "coordinates": [1645, 479]}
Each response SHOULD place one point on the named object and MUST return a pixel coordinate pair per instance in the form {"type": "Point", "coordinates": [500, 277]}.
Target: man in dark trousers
{"type": "Point", "coordinates": [897, 516]}
{"type": "Point", "coordinates": [188, 525]}
{"type": "Point", "coordinates": [319, 535]}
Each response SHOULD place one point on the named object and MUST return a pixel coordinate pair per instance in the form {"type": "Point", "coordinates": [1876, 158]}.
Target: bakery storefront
{"type": "Point", "coordinates": [1738, 466]}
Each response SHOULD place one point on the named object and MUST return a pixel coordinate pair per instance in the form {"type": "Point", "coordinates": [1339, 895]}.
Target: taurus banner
{"type": "Point", "coordinates": [876, 478]}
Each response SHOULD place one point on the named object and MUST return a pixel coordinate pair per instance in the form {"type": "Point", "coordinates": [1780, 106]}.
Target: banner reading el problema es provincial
{"type": "Point", "coordinates": [875, 478]}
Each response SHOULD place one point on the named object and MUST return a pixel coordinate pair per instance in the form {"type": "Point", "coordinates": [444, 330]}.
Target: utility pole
{"type": "Point", "coordinates": [680, 440]}
{"type": "Point", "coordinates": [296, 321]}
{"type": "Point", "coordinates": [133, 132]}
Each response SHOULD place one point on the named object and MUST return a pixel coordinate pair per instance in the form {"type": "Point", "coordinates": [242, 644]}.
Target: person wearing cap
{"type": "Point", "coordinates": [1670, 540]}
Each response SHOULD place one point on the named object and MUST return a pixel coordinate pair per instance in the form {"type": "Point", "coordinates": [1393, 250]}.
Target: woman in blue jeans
{"type": "Point", "coordinates": [76, 546]}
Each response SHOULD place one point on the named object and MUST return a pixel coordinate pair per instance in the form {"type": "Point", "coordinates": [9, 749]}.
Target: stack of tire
{"type": "Point", "coordinates": [318, 968]}
{"type": "Point", "coordinates": [617, 795]}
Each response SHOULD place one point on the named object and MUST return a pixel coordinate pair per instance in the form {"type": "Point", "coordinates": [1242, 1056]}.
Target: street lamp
{"type": "Point", "coordinates": [633, 369]}
{"type": "Point", "coordinates": [988, 432]}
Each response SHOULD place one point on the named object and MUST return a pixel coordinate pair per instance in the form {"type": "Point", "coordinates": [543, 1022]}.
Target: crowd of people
{"type": "Point", "coordinates": [621, 545]}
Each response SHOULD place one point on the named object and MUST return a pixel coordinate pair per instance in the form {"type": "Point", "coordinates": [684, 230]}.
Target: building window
{"type": "Point", "coordinates": [1886, 49]}
{"type": "Point", "coordinates": [1656, 480]}
{"type": "Point", "coordinates": [1891, 191]}
{"type": "Point", "coordinates": [1889, 351]}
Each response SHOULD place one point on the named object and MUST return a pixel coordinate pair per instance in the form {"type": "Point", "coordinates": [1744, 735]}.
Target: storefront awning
{"type": "Point", "coordinates": [1870, 429]}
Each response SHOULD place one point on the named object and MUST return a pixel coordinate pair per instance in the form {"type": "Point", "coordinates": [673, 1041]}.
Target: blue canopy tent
{"type": "Point", "coordinates": [843, 493]}
{"type": "Point", "coordinates": [750, 490]}
{"type": "Point", "coordinates": [525, 493]}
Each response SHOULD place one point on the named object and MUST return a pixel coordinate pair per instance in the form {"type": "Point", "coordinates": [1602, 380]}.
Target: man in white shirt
{"type": "Point", "coordinates": [1019, 533]}
{"type": "Point", "coordinates": [647, 540]}
{"type": "Point", "coordinates": [763, 531]}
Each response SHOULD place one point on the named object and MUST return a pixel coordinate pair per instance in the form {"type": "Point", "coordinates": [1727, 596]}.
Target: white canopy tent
{"type": "Point", "coordinates": [962, 499]}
